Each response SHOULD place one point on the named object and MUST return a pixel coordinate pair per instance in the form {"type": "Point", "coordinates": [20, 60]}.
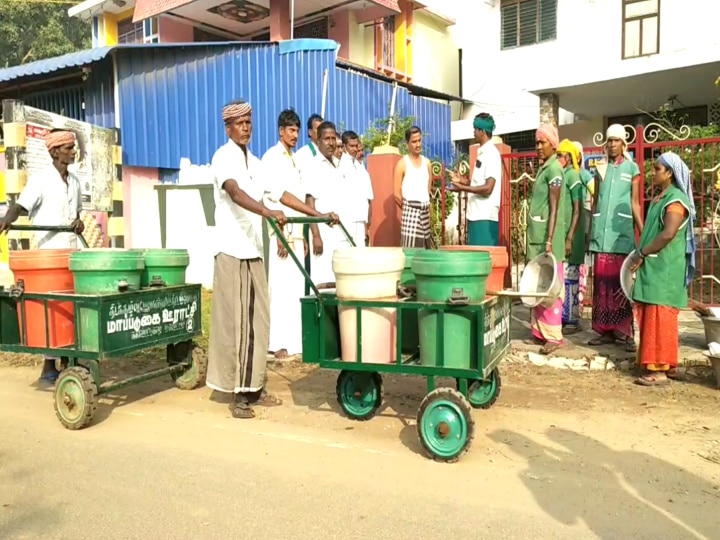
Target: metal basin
{"type": "Point", "coordinates": [627, 278]}
{"type": "Point", "coordinates": [541, 277]}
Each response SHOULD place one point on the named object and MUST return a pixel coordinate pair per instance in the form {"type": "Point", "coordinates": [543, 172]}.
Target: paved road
{"type": "Point", "coordinates": [159, 468]}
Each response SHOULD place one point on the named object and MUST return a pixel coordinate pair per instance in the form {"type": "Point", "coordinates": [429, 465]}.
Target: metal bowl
{"type": "Point", "coordinates": [541, 277]}
{"type": "Point", "coordinates": [627, 278]}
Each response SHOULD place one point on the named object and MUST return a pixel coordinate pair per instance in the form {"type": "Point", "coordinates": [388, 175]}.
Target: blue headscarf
{"type": "Point", "coordinates": [681, 173]}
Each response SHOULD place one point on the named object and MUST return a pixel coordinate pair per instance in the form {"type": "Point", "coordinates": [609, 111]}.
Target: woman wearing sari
{"type": "Point", "coordinates": [664, 265]}
{"type": "Point", "coordinates": [546, 234]}
{"type": "Point", "coordinates": [569, 158]}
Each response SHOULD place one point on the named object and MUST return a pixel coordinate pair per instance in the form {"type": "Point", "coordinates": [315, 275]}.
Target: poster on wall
{"type": "Point", "coordinates": [94, 164]}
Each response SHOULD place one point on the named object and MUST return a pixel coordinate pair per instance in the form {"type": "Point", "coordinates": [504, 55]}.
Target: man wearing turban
{"type": "Point", "coordinates": [483, 207]}
{"type": "Point", "coordinates": [52, 198]}
{"type": "Point", "coordinates": [240, 315]}
{"type": "Point", "coordinates": [616, 214]}
{"type": "Point", "coordinates": [546, 234]}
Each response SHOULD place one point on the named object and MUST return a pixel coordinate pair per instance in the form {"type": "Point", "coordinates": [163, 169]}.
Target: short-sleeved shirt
{"type": "Point", "coordinates": [360, 187]}
{"type": "Point", "coordinates": [488, 165]}
{"type": "Point", "coordinates": [281, 171]}
{"type": "Point", "coordinates": [239, 231]}
{"type": "Point", "coordinates": [51, 201]}
{"type": "Point", "coordinates": [326, 183]}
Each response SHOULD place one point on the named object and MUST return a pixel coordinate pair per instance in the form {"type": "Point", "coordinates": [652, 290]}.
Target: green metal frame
{"type": "Point", "coordinates": [320, 328]}
{"type": "Point", "coordinates": [13, 329]}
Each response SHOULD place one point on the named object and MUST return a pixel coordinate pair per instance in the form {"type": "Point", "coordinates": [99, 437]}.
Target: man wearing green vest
{"type": "Point", "coordinates": [664, 266]}
{"type": "Point", "coordinates": [546, 234]}
{"type": "Point", "coordinates": [616, 214]}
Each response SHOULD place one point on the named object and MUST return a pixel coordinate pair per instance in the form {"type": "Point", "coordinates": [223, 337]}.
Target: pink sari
{"type": "Point", "coordinates": [546, 322]}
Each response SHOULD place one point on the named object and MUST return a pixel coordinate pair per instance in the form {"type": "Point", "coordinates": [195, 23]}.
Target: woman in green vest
{"type": "Point", "coordinates": [664, 266]}
{"type": "Point", "coordinates": [546, 234]}
{"type": "Point", "coordinates": [568, 157]}
{"type": "Point", "coordinates": [616, 214]}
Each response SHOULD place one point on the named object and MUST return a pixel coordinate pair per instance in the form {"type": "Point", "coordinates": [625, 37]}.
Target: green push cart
{"type": "Point", "coordinates": [108, 326]}
{"type": "Point", "coordinates": [445, 424]}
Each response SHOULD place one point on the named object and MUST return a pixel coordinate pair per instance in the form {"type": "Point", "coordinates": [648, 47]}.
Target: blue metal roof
{"type": "Point", "coordinates": [42, 67]}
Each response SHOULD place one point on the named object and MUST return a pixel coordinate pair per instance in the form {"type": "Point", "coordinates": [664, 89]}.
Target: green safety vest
{"type": "Point", "coordinates": [660, 280]}
{"type": "Point", "coordinates": [613, 229]}
{"type": "Point", "coordinates": [575, 191]}
{"type": "Point", "coordinates": [539, 214]}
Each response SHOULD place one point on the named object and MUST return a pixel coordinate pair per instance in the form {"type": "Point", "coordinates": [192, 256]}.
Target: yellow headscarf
{"type": "Point", "coordinates": [567, 147]}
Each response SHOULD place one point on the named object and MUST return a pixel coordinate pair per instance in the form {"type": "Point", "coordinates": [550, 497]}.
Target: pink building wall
{"type": "Point", "coordinates": [340, 31]}
{"type": "Point", "coordinates": [173, 31]}
{"type": "Point", "coordinates": [140, 207]}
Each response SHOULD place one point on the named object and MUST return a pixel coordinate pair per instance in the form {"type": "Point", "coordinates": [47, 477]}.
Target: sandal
{"type": "Point", "coordinates": [550, 348]}
{"type": "Point", "coordinates": [570, 330]}
{"type": "Point", "coordinates": [533, 341]}
{"type": "Point", "coordinates": [240, 408]}
{"type": "Point", "coordinates": [605, 339]}
{"type": "Point", "coordinates": [652, 379]}
{"type": "Point", "coordinates": [267, 400]}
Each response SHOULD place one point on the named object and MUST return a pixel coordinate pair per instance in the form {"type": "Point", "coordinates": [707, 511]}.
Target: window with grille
{"type": "Point", "coordinates": [641, 28]}
{"type": "Point", "coordinates": [146, 31]}
{"type": "Point", "coordinates": [527, 22]}
{"type": "Point", "coordinates": [388, 41]}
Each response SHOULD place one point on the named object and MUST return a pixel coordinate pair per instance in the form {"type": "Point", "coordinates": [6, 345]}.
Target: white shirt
{"type": "Point", "coordinates": [329, 187]}
{"type": "Point", "coordinates": [304, 157]}
{"type": "Point", "coordinates": [280, 168]}
{"type": "Point", "coordinates": [416, 182]}
{"type": "Point", "coordinates": [486, 207]}
{"type": "Point", "coordinates": [238, 231]}
{"type": "Point", "coordinates": [50, 201]}
{"type": "Point", "coordinates": [360, 187]}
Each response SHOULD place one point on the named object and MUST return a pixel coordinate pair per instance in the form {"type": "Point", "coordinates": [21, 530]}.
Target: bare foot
{"type": "Point", "coordinates": [281, 354]}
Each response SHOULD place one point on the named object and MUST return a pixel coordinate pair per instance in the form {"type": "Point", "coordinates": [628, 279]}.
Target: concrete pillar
{"type": "Point", "coordinates": [549, 109]}
{"type": "Point", "coordinates": [279, 20]}
{"type": "Point", "coordinates": [385, 224]}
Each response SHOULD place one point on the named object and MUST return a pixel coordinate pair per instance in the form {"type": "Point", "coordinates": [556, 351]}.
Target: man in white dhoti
{"type": "Point", "coordinates": [52, 197]}
{"type": "Point", "coordinates": [240, 313]}
{"type": "Point", "coordinates": [287, 284]}
{"type": "Point", "coordinates": [360, 195]}
{"type": "Point", "coordinates": [326, 188]}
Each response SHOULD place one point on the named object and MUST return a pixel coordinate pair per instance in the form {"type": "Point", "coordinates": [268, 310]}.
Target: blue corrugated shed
{"type": "Point", "coordinates": [57, 63]}
{"type": "Point", "coordinates": [171, 97]}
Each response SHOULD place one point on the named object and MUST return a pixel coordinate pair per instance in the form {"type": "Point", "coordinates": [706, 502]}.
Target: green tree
{"type": "Point", "coordinates": [33, 30]}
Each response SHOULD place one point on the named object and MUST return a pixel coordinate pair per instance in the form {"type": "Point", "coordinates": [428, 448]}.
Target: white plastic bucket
{"type": "Point", "coordinates": [368, 273]}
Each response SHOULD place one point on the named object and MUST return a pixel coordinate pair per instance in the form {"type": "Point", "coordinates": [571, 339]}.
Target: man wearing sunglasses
{"type": "Point", "coordinates": [483, 208]}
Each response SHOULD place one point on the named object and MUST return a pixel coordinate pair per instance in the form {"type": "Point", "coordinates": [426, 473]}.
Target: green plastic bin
{"type": "Point", "coordinates": [410, 338]}
{"type": "Point", "coordinates": [168, 265]}
{"type": "Point", "coordinates": [441, 275]}
{"type": "Point", "coordinates": [102, 271]}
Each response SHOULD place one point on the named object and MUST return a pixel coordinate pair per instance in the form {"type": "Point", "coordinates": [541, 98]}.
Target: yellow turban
{"type": "Point", "coordinates": [567, 147]}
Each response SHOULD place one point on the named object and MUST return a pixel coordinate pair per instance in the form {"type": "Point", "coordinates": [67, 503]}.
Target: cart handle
{"type": "Point", "coordinates": [49, 228]}
{"type": "Point", "coordinates": [306, 220]}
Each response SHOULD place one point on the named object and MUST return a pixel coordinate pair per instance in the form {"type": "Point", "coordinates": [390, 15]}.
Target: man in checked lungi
{"type": "Point", "coordinates": [240, 316]}
{"type": "Point", "coordinates": [412, 183]}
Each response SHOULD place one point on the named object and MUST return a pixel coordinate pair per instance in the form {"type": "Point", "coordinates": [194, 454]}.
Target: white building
{"type": "Point", "coordinates": [588, 62]}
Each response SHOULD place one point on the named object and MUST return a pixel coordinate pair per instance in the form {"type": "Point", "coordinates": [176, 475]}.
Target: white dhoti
{"type": "Point", "coordinates": [356, 230]}
{"type": "Point", "coordinates": [287, 286]}
{"type": "Point", "coordinates": [321, 266]}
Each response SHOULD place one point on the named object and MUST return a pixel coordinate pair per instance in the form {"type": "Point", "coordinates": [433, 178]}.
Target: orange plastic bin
{"type": "Point", "coordinates": [500, 262]}
{"type": "Point", "coordinates": [45, 270]}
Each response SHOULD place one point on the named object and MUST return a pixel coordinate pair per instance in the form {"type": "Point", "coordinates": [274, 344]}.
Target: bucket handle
{"type": "Point", "coordinates": [156, 281]}
{"type": "Point", "coordinates": [458, 298]}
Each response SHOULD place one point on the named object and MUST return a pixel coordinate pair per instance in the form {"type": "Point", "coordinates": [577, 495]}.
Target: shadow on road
{"type": "Point", "coordinates": [580, 479]}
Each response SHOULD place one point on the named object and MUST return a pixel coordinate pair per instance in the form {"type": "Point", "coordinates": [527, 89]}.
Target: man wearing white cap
{"type": "Point", "coordinates": [52, 197]}
{"type": "Point", "coordinates": [616, 213]}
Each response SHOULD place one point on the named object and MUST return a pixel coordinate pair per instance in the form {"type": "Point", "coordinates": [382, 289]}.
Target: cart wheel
{"type": "Point", "coordinates": [484, 394]}
{"type": "Point", "coordinates": [196, 372]}
{"type": "Point", "coordinates": [75, 397]}
{"type": "Point", "coordinates": [359, 393]}
{"type": "Point", "coordinates": [445, 425]}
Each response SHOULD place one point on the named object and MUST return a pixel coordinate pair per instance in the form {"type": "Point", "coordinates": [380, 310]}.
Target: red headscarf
{"type": "Point", "coordinates": [549, 133]}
